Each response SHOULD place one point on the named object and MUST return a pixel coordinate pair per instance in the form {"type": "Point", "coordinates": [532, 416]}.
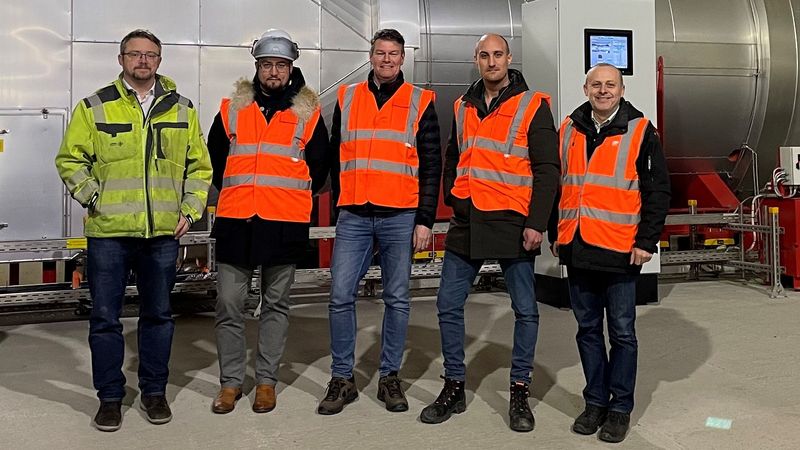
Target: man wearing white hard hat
{"type": "Point", "coordinates": [268, 147]}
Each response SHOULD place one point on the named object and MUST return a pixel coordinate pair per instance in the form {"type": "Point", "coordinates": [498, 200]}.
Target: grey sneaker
{"type": "Point", "coordinates": [391, 393]}
{"type": "Point", "coordinates": [340, 392]}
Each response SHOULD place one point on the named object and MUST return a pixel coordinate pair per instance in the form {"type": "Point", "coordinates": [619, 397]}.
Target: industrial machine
{"type": "Point", "coordinates": [728, 78]}
{"type": "Point", "coordinates": [562, 40]}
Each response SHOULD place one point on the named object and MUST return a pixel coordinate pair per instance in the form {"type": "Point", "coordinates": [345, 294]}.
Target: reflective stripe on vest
{"type": "Point", "coordinates": [494, 169]}
{"type": "Point", "coordinates": [507, 146]}
{"type": "Point", "coordinates": [266, 174]}
{"type": "Point", "coordinates": [597, 198]}
{"type": "Point", "coordinates": [378, 159]}
{"type": "Point", "coordinates": [290, 151]}
{"type": "Point", "coordinates": [404, 137]}
{"type": "Point", "coordinates": [265, 180]}
{"type": "Point", "coordinates": [386, 166]}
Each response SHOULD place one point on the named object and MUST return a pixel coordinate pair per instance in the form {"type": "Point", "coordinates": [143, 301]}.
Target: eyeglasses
{"type": "Point", "coordinates": [280, 67]}
{"type": "Point", "coordinates": [150, 56]}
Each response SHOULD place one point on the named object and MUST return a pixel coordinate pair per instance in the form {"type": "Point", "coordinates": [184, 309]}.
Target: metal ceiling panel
{"type": "Point", "coordinates": [230, 23]}
{"type": "Point", "coordinates": [35, 44]}
{"type": "Point", "coordinates": [346, 24]}
{"type": "Point", "coordinates": [95, 65]}
{"type": "Point", "coordinates": [174, 21]}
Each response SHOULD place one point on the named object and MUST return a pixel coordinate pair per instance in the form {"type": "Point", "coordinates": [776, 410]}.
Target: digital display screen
{"type": "Point", "coordinates": [614, 47]}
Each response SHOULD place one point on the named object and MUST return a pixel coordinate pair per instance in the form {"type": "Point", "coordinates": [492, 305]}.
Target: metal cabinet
{"type": "Point", "coordinates": [32, 201]}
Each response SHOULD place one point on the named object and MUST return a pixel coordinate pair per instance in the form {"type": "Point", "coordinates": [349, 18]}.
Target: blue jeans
{"type": "Point", "coordinates": [109, 261]}
{"type": "Point", "coordinates": [610, 378]}
{"type": "Point", "coordinates": [352, 254]}
{"type": "Point", "coordinates": [458, 275]}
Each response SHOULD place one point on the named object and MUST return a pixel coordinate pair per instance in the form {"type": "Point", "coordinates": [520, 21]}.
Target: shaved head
{"type": "Point", "coordinates": [607, 66]}
{"type": "Point", "coordinates": [491, 36]}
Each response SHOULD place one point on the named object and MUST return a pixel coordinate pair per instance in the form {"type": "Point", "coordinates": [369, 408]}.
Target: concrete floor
{"type": "Point", "coordinates": [710, 349]}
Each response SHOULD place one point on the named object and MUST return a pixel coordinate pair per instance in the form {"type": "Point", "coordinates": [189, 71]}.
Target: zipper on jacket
{"type": "Point", "coordinates": [146, 132]}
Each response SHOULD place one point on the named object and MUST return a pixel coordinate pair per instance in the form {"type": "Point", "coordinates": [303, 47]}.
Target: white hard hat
{"type": "Point", "coordinates": [276, 43]}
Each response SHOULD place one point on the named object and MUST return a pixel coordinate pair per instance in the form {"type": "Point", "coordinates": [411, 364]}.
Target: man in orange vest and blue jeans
{"type": "Point", "coordinates": [500, 177]}
{"type": "Point", "coordinates": [269, 151]}
{"type": "Point", "coordinates": [615, 195]}
{"type": "Point", "coordinates": [385, 140]}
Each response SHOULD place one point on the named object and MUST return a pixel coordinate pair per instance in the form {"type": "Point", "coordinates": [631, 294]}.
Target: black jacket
{"type": "Point", "coordinates": [255, 241]}
{"type": "Point", "coordinates": [480, 234]}
{"type": "Point", "coordinates": [654, 188]}
{"type": "Point", "coordinates": [429, 151]}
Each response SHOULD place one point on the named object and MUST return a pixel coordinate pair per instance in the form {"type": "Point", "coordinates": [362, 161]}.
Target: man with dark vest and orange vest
{"type": "Point", "coordinates": [615, 195]}
{"type": "Point", "coordinates": [386, 173]}
{"type": "Point", "coordinates": [500, 177]}
{"type": "Point", "coordinates": [269, 148]}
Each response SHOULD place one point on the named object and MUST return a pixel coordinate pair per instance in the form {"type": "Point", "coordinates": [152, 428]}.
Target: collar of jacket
{"type": "Point", "coordinates": [296, 95]}
{"type": "Point", "coordinates": [164, 86]}
{"type": "Point", "coordinates": [474, 94]}
{"type": "Point", "coordinates": [385, 88]}
{"type": "Point", "coordinates": [582, 119]}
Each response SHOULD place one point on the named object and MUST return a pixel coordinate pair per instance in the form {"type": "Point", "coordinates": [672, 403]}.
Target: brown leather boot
{"type": "Point", "coordinates": [265, 398]}
{"type": "Point", "coordinates": [226, 400]}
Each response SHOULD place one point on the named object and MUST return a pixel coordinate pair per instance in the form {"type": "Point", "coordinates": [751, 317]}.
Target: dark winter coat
{"type": "Point", "coordinates": [654, 188]}
{"type": "Point", "coordinates": [253, 242]}
{"type": "Point", "coordinates": [429, 151]}
{"type": "Point", "coordinates": [480, 234]}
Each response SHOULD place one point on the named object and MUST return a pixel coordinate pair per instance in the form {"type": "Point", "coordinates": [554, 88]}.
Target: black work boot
{"type": "Point", "coordinates": [109, 416]}
{"type": "Point", "coordinates": [156, 409]}
{"type": "Point", "coordinates": [391, 393]}
{"type": "Point", "coordinates": [590, 420]}
{"type": "Point", "coordinates": [616, 427]}
{"type": "Point", "coordinates": [340, 392]}
{"type": "Point", "coordinates": [450, 400]}
{"type": "Point", "coordinates": [520, 416]}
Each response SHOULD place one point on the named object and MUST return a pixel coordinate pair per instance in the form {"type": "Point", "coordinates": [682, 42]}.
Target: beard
{"type": "Point", "coordinates": [138, 75]}
{"type": "Point", "coordinates": [272, 87]}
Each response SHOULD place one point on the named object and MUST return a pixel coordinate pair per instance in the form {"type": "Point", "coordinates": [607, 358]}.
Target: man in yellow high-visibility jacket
{"type": "Point", "coordinates": [135, 157]}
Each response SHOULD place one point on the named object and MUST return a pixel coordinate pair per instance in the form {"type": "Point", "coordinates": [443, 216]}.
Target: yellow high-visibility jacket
{"type": "Point", "coordinates": [135, 174]}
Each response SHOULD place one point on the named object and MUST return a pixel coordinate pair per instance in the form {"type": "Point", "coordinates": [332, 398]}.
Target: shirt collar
{"type": "Point", "coordinates": [150, 91]}
{"type": "Point", "coordinates": [598, 125]}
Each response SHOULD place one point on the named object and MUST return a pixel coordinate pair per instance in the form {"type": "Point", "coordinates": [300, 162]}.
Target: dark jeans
{"type": "Point", "coordinates": [352, 253]}
{"type": "Point", "coordinates": [109, 261]}
{"type": "Point", "coordinates": [458, 275]}
{"type": "Point", "coordinates": [610, 377]}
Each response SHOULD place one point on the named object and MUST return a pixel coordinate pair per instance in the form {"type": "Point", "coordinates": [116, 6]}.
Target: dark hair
{"type": "Point", "coordinates": [139, 33]}
{"type": "Point", "coordinates": [387, 34]}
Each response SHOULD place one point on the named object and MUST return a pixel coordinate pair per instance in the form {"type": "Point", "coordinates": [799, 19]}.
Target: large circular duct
{"type": "Point", "coordinates": [731, 72]}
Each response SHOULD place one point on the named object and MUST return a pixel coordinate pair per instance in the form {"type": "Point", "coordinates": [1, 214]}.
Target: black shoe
{"type": "Point", "coordinates": [520, 416]}
{"type": "Point", "coordinates": [450, 400]}
{"type": "Point", "coordinates": [616, 427]}
{"type": "Point", "coordinates": [109, 416]}
{"type": "Point", "coordinates": [157, 409]}
{"type": "Point", "coordinates": [590, 420]}
{"type": "Point", "coordinates": [391, 393]}
{"type": "Point", "coordinates": [340, 392]}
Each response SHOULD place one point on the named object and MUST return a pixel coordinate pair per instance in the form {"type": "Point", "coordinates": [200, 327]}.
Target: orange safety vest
{"type": "Point", "coordinates": [600, 195]}
{"type": "Point", "coordinates": [494, 166]}
{"type": "Point", "coordinates": [266, 172]}
{"type": "Point", "coordinates": [378, 151]}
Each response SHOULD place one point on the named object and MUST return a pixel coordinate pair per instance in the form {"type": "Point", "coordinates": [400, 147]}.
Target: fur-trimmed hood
{"type": "Point", "coordinates": [303, 103]}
